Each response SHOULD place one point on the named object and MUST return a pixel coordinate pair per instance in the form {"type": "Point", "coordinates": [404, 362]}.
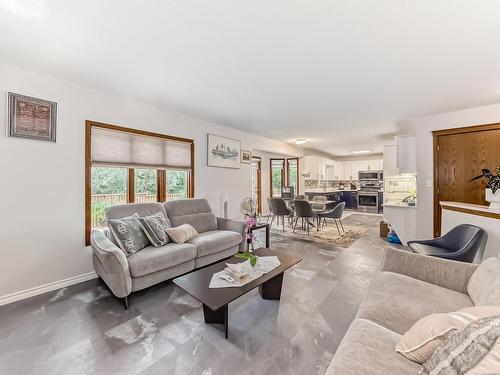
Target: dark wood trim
{"type": "Point", "coordinates": [259, 185]}
{"type": "Point", "coordinates": [467, 129]}
{"type": "Point", "coordinates": [137, 131]}
{"type": "Point", "coordinates": [131, 185]}
{"type": "Point", "coordinates": [436, 134]}
{"type": "Point", "coordinates": [161, 185]}
{"type": "Point", "coordinates": [435, 177]}
{"type": "Point", "coordinates": [89, 124]}
{"type": "Point", "coordinates": [271, 174]}
{"type": "Point", "coordinates": [88, 172]}
{"type": "Point", "coordinates": [471, 211]}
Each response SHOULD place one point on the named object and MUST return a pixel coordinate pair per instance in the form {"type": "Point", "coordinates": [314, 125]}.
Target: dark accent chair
{"type": "Point", "coordinates": [462, 243]}
{"type": "Point", "coordinates": [279, 209]}
{"type": "Point", "coordinates": [335, 214]}
{"type": "Point", "coordinates": [304, 212]}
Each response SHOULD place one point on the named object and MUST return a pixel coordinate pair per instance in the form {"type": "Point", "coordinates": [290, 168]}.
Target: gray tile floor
{"type": "Point", "coordinates": [83, 329]}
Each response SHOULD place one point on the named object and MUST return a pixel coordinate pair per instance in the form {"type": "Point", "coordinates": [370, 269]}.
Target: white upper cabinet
{"type": "Point", "coordinates": [406, 157]}
{"type": "Point", "coordinates": [316, 167]}
{"type": "Point", "coordinates": [390, 163]}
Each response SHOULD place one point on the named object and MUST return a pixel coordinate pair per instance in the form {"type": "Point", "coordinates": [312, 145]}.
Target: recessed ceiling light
{"type": "Point", "coordinates": [300, 141]}
{"type": "Point", "coordinates": [361, 152]}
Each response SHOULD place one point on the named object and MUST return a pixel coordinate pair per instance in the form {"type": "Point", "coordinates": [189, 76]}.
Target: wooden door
{"type": "Point", "coordinates": [257, 182]}
{"type": "Point", "coordinates": [460, 154]}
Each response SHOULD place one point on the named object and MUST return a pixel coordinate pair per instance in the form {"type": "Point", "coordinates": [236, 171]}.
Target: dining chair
{"type": "Point", "coordinates": [335, 214]}
{"type": "Point", "coordinates": [279, 209]}
{"type": "Point", "coordinates": [304, 211]}
{"type": "Point", "coordinates": [319, 203]}
{"type": "Point", "coordinates": [300, 197]}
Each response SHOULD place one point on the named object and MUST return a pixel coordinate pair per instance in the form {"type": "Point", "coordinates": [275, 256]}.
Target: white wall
{"type": "Point", "coordinates": [42, 184]}
{"type": "Point", "coordinates": [424, 127]}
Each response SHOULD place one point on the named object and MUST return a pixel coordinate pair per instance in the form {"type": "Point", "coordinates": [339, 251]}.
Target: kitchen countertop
{"type": "Point", "coordinates": [398, 205]}
{"type": "Point", "coordinates": [322, 191]}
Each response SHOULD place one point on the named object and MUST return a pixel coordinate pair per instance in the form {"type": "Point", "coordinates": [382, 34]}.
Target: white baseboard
{"type": "Point", "coordinates": [17, 296]}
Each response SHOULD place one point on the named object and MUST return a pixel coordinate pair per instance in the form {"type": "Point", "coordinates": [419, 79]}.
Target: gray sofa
{"type": "Point", "coordinates": [409, 287]}
{"type": "Point", "coordinates": [218, 239]}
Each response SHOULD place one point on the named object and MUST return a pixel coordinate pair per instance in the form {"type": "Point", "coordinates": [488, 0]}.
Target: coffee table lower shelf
{"type": "Point", "coordinates": [270, 290]}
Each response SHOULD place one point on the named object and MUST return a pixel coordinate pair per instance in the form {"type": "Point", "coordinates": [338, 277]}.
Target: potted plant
{"type": "Point", "coordinates": [493, 189]}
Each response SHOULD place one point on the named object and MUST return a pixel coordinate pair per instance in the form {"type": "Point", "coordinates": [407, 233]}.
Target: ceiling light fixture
{"type": "Point", "coordinates": [361, 152]}
{"type": "Point", "coordinates": [300, 141]}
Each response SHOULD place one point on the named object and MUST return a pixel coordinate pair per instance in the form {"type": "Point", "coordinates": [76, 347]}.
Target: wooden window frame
{"type": "Point", "coordinates": [283, 171]}
{"type": "Point", "coordinates": [435, 173]}
{"type": "Point", "coordinates": [161, 174]}
{"type": "Point", "coordinates": [288, 173]}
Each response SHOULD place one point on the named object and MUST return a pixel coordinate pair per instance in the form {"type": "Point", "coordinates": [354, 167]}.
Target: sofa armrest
{"type": "Point", "coordinates": [442, 272]}
{"type": "Point", "coordinates": [111, 264]}
{"type": "Point", "coordinates": [238, 226]}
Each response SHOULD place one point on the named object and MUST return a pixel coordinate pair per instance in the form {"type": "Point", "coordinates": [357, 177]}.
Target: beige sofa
{"type": "Point", "coordinates": [409, 287]}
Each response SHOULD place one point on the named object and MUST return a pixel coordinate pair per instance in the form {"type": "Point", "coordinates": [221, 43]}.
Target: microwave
{"type": "Point", "coordinates": [370, 175]}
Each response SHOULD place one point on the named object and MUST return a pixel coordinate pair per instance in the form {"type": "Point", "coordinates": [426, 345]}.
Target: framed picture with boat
{"type": "Point", "coordinates": [223, 152]}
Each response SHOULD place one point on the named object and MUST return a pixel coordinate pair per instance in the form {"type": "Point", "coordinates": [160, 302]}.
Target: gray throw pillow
{"type": "Point", "coordinates": [155, 226]}
{"type": "Point", "coordinates": [465, 348]}
{"type": "Point", "coordinates": [128, 234]}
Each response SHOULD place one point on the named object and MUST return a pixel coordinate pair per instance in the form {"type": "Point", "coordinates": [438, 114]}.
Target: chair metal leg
{"type": "Point", "coordinates": [125, 302]}
{"type": "Point", "coordinates": [342, 225]}
{"type": "Point", "coordinates": [295, 225]}
{"type": "Point", "coordinates": [272, 219]}
{"type": "Point", "coordinates": [283, 222]}
{"type": "Point", "coordinates": [338, 230]}
{"type": "Point", "coordinates": [307, 223]}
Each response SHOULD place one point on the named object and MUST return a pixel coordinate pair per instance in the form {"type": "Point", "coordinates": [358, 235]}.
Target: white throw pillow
{"type": "Point", "coordinates": [182, 233]}
{"type": "Point", "coordinates": [422, 339]}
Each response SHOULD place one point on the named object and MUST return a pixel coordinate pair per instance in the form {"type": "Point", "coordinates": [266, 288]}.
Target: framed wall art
{"type": "Point", "coordinates": [31, 118]}
{"type": "Point", "coordinates": [246, 156]}
{"type": "Point", "coordinates": [223, 152]}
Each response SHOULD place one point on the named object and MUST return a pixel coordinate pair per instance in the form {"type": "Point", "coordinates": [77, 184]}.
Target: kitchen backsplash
{"type": "Point", "coordinates": [311, 184]}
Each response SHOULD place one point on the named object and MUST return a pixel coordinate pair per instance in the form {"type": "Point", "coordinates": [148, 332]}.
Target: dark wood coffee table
{"type": "Point", "coordinates": [216, 300]}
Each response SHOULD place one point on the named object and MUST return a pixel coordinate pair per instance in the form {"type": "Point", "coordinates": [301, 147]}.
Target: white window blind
{"type": "Point", "coordinates": [111, 147]}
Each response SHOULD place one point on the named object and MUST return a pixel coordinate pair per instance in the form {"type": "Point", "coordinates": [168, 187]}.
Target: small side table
{"type": "Point", "coordinates": [268, 230]}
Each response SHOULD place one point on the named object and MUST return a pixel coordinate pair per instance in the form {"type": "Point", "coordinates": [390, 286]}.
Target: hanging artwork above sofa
{"type": "Point", "coordinates": [223, 152]}
{"type": "Point", "coordinates": [32, 118]}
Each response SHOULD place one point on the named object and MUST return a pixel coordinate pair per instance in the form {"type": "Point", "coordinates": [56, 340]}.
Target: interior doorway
{"type": "Point", "coordinates": [459, 155]}
{"type": "Point", "coordinates": [277, 176]}
{"type": "Point", "coordinates": [257, 182]}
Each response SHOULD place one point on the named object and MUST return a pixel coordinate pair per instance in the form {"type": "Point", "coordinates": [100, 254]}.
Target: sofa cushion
{"type": "Point", "coordinates": [152, 259]}
{"type": "Point", "coordinates": [155, 226]}
{"type": "Point", "coordinates": [484, 284]}
{"type": "Point", "coordinates": [397, 301]}
{"type": "Point", "coordinates": [128, 234]}
{"type": "Point", "coordinates": [368, 349]}
{"type": "Point", "coordinates": [432, 330]}
{"type": "Point", "coordinates": [182, 233]}
{"type": "Point", "coordinates": [196, 212]}
{"type": "Point", "coordinates": [214, 241]}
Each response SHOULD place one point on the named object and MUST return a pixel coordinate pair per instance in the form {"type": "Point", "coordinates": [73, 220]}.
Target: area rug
{"type": "Point", "coordinates": [327, 234]}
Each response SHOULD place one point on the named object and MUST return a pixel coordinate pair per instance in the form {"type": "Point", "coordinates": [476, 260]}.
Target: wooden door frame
{"type": "Point", "coordinates": [288, 173]}
{"type": "Point", "coordinates": [271, 174]}
{"type": "Point", "coordinates": [435, 143]}
{"type": "Point", "coordinates": [259, 184]}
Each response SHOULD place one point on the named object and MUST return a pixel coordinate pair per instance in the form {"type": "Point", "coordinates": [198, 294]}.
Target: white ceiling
{"type": "Point", "coordinates": [340, 73]}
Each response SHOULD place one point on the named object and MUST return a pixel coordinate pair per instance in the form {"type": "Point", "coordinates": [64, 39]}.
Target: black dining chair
{"type": "Point", "coordinates": [304, 212]}
{"type": "Point", "coordinates": [319, 203]}
{"type": "Point", "coordinates": [335, 214]}
{"type": "Point", "coordinates": [279, 209]}
{"type": "Point", "coordinates": [461, 243]}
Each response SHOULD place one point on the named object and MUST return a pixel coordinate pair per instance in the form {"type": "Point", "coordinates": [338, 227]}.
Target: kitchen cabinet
{"type": "Point", "coordinates": [406, 154]}
{"type": "Point", "coordinates": [390, 163]}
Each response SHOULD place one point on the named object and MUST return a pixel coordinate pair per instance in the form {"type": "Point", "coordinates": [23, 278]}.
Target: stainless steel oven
{"type": "Point", "coordinates": [368, 201]}
{"type": "Point", "coordinates": [368, 175]}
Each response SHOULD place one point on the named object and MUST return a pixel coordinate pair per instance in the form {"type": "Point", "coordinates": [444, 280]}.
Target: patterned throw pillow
{"type": "Point", "coordinates": [128, 234]}
{"type": "Point", "coordinates": [465, 349]}
{"type": "Point", "coordinates": [155, 227]}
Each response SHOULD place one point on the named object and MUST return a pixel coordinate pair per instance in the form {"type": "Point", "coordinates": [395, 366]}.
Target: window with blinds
{"type": "Point", "coordinates": [126, 165]}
